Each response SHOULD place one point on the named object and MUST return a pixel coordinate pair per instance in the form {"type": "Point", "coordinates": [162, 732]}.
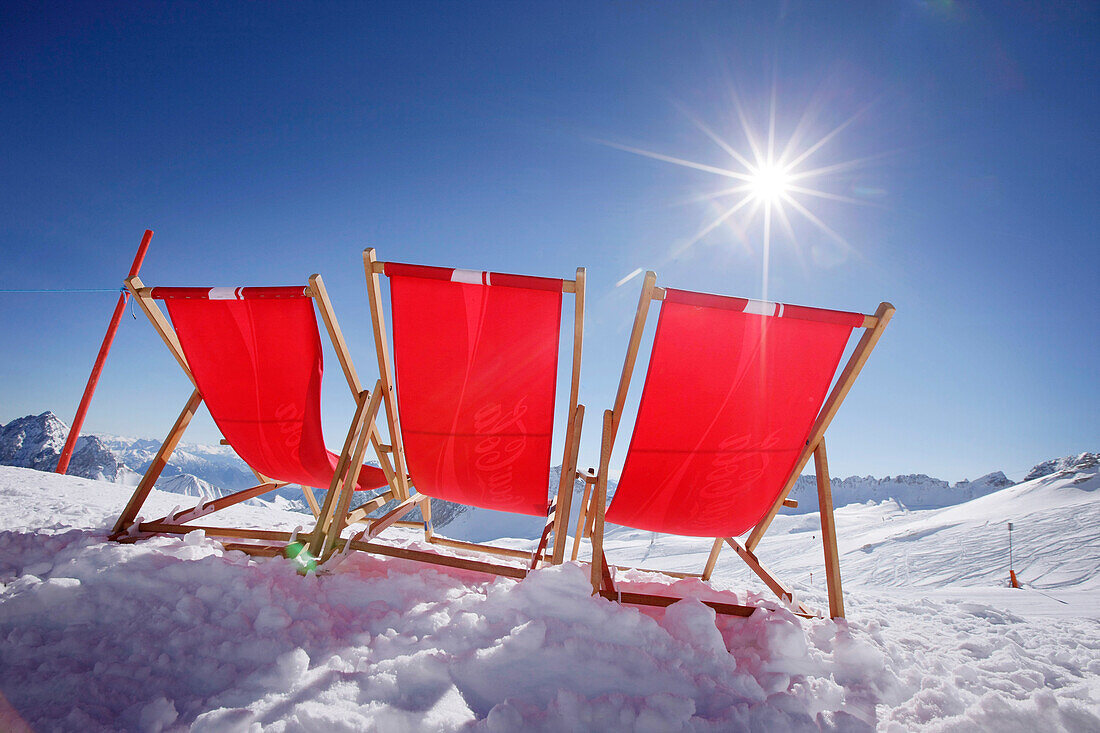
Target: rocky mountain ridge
{"type": "Point", "coordinates": [36, 441]}
{"type": "Point", "coordinates": [209, 471]}
{"type": "Point", "coordinates": [914, 491]}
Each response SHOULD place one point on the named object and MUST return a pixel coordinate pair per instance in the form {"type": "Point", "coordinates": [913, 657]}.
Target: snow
{"type": "Point", "coordinates": [175, 633]}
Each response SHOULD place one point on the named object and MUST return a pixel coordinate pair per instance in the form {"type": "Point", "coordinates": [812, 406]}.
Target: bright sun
{"type": "Point", "coordinates": [769, 182]}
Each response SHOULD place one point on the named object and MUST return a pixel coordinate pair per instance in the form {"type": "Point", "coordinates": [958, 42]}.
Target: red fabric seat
{"type": "Point", "coordinates": [256, 358]}
{"type": "Point", "coordinates": [729, 400]}
{"type": "Point", "coordinates": [476, 361]}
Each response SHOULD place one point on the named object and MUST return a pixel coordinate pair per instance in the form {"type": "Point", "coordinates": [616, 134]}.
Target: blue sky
{"type": "Point", "coordinates": [264, 142]}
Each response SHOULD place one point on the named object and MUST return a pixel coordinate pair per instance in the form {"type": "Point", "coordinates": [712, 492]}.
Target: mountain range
{"type": "Point", "coordinates": [211, 471]}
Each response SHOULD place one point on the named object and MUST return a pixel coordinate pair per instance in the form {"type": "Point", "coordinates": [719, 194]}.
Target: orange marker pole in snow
{"type": "Point", "coordinates": [93, 379]}
{"type": "Point", "coordinates": [1013, 581]}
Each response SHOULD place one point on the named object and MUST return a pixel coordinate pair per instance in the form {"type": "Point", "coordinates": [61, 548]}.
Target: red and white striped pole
{"type": "Point", "coordinates": [93, 379]}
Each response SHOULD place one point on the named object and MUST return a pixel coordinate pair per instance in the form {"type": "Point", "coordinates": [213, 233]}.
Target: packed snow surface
{"type": "Point", "coordinates": [175, 633]}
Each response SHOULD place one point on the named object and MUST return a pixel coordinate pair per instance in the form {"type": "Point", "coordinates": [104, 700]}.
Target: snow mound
{"type": "Point", "coordinates": [177, 633]}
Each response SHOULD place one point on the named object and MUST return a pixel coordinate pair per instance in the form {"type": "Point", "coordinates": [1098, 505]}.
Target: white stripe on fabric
{"type": "Point", "coordinates": [222, 294]}
{"type": "Point", "coordinates": [761, 308]}
{"type": "Point", "coordinates": [780, 313]}
{"type": "Point", "coordinates": [473, 277]}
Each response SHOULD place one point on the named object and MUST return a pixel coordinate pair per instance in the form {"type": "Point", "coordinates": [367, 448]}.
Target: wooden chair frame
{"type": "Point", "coordinates": [363, 428]}
{"type": "Point", "coordinates": [591, 520]}
{"type": "Point", "coordinates": [557, 517]}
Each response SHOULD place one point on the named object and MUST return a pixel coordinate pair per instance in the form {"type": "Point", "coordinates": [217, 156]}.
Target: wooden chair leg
{"type": "Point", "coordinates": [582, 520]}
{"type": "Point", "coordinates": [607, 579]}
{"type": "Point", "coordinates": [590, 521]}
{"type": "Point", "coordinates": [565, 485]}
{"type": "Point", "coordinates": [311, 499]}
{"type": "Point", "coordinates": [343, 503]}
{"type": "Point", "coordinates": [426, 513]}
{"type": "Point", "coordinates": [599, 497]}
{"type": "Point", "coordinates": [828, 532]}
{"type": "Point", "coordinates": [712, 559]}
{"type": "Point", "coordinates": [552, 517]}
{"type": "Point", "coordinates": [317, 540]}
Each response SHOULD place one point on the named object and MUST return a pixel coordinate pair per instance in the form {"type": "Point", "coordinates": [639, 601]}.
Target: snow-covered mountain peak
{"type": "Point", "coordinates": [36, 441]}
{"type": "Point", "coordinates": [1081, 462]}
{"type": "Point", "coordinates": [189, 485]}
{"type": "Point", "coordinates": [32, 441]}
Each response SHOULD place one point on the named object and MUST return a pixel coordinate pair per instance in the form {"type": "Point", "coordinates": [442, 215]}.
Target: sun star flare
{"type": "Point", "coordinates": [774, 183]}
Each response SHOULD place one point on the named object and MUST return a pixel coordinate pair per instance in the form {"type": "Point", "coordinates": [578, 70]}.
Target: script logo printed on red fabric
{"type": "Point", "coordinates": [735, 466]}
{"type": "Point", "coordinates": [496, 453]}
{"type": "Point", "coordinates": [290, 417]}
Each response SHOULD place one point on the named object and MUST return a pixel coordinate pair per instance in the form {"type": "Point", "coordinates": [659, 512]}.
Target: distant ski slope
{"type": "Point", "coordinates": [1056, 540]}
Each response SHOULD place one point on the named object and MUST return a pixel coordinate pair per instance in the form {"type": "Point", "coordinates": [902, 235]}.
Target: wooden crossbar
{"type": "Point", "coordinates": [648, 599]}
{"type": "Point", "coordinates": [489, 549]}
{"type": "Point", "coordinates": [404, 553]}
{"type": "Point", "coordinates": [395, 514]}
{"type": "Point", "coordinates": [535, 557]}
{"type": "Point", "coordinates": [461, 563]}
{"type": "Point", "coordinates": [256, 550]}
{"type": "Point", "coordinates": [202, 509]}
{"type": "Point", "coordinates": [671, 573]}
{"type": "Point", "coordinates": [359, 513]}
{"type": "Point", "coordinates": [237, 532]}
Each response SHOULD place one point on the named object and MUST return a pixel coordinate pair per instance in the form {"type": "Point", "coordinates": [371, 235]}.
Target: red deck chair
{"type": "Point", "coordinates": [254, 356]}
{"type": "Point", "coordinates": [475, 356]}
{"type": "Point", "coordinates": [736, 400]}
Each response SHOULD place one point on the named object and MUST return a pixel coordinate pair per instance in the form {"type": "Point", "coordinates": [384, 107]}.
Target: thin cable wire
{"type": "Point", "coordinates": [68, 290]}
